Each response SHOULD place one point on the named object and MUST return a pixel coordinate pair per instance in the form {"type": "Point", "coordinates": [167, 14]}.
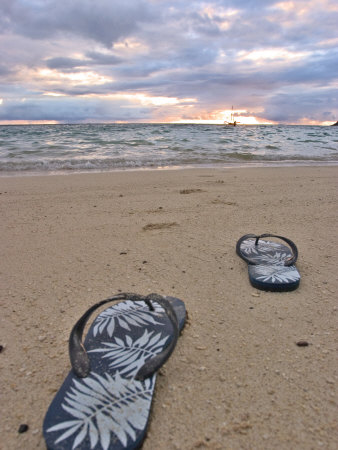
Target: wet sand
{"type": "Point", "coordinates": [237, 379]}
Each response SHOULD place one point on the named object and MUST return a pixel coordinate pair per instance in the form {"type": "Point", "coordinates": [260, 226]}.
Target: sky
{"type": "Point", "coordinates": [83, 61]}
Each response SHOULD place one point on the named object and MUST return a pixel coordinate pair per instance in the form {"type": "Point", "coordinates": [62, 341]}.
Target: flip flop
{"type": "Point", "coordinates": [271, 264]}
{"type": "Point", "coordinates": [104, 403]}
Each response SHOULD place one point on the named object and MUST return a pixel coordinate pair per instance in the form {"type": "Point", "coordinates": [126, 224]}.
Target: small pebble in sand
{"type": "Point", "coordinates": [23, 428]}
{"type": "Point", "coordinates": [302, 343]}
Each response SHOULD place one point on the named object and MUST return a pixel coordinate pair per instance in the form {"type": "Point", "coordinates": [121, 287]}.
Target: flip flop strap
{"type": "Point", "coordinates": [288, 262]}
{"type": "Point", "coordinates": [78, 355]}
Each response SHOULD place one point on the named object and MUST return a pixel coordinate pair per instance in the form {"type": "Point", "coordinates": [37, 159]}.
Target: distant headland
{"type": "Point", "coordinates": [335, 124]}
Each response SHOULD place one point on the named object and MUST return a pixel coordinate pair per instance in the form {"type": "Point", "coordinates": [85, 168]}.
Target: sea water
{"type": "Point", "coordinates": [50, 149]}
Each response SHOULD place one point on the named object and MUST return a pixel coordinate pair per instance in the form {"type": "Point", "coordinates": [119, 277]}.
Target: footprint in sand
{"type": "Point", "coordinates": [159, 226]}
{"type": "Point", "coordinates": [190, 191]}
{"type": "Point", "coordinates": [223, 202]}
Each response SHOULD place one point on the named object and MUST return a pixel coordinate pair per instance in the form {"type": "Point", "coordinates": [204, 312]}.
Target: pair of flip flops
{"type": "Point", "coordinates": [104, 403]}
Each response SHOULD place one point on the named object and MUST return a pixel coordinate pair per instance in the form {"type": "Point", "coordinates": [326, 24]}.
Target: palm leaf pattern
{"type": "Point", "coordinates": [105, 405]}
{"type": "Point", "coordinates": [130, 356]}
{"type": "Point", "coordinates": [267, 252]}
{"type": "Point", "coordinates": [277, 273]}
{"type": "Point", "coordinates": [277, 258]}
{"type": "Point", "coordinates": [126, 314]}
{"type": "Point", "coordinates": [249, 248]}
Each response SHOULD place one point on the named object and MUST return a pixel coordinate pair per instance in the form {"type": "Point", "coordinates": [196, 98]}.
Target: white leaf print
{"type": "Point", "coordinates": [126, 314]}
{"type": "Point", "coordinates": [264, 250]}
{"type": "Point", "coordinates": [277, 273]}
{"type": "Point", "coordinates": [129, 356]}
{"type": "Point", "coordinates": [80, 437]}
{"type": "Point", "coordinates": [122, 409]}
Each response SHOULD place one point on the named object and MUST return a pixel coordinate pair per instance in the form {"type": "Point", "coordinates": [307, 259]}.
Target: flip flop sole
{"type": "Point", "coordinates": [274, 277]}
{"type": "Point", "coordinates": [109, 409]}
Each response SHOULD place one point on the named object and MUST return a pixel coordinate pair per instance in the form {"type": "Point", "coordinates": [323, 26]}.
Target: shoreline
{"type": "Point", "coordinates": [236, 379]}
{"type": "Point", "coordinates": [225, 166]}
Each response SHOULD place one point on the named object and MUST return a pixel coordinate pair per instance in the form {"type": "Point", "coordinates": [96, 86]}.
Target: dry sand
{"type": "Point", "coordinates": [237, 379]}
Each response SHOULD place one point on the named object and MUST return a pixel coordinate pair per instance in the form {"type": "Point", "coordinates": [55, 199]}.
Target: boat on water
{"type": "Point", "coordinates": [232, 122]}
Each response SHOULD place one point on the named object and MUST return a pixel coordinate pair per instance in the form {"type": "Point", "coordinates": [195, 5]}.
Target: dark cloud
{"type": "Point", "coordinates": [104, 21]}
{"type": "Point", "coordinates": [4, 70]}
{"type": "Point", "coordinates": [93, 59]}
{"type": "Point", "coordinates": [66, 63]}
{"type": "Point", "coordinates": [293, 105]}
{"type": "Point", "coordinates": [72, 110]}
{"type": "Point", "coordinates": [104, 59]}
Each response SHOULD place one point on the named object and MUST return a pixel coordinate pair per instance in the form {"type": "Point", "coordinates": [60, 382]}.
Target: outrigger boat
{"type": "Point", "coordinates": [232, 122]}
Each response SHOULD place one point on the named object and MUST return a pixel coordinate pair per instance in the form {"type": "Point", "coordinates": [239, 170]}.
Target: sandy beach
{"type": "Point", "coordinates": [237, 379]}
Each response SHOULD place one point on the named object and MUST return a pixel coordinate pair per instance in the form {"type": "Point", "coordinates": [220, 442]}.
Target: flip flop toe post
{"type": "Point", "coordinates": [104, 403]}
{"type": "Point", "coordinates": [271, 264]}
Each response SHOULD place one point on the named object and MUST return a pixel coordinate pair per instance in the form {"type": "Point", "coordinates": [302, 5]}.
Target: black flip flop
{"type": "Point", "coordinates": [271, 264]}
{"type": "Point", "coordinates": [105, 401]}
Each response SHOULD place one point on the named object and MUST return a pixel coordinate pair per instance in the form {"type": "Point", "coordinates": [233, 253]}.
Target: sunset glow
{"type": "Point", "coordinates": [74, 78]}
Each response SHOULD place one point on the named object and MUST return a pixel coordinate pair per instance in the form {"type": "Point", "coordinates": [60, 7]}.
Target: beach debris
{"type": "Point", "coordinates": [302, 343]}
{"type": "Point", "coordinates": [255, 294]}
{"type": "Point", "coordinates": [23, 428]}
{"type": "Point", "coordinates": [1, 348]}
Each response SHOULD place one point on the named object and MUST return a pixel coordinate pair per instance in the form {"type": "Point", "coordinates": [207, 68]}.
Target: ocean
{"type": "Point", "coordinates": [62, 149]}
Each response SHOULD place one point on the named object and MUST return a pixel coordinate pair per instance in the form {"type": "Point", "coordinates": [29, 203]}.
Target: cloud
{"type": "Point", "coordinates": [62, 62]}
{"type": "Point", "coordinates": [4, 70]}
{"type": "Point", "coordinates": [103, 58]}
{"type": "Point", "coordinates": [73, 110]}
{"type": "Point", "coordinates": [256, 55]}
{"type": "Point", "coordinates": [293, 105]}
{"type": "Point", "coordinates": [104, 21]}
{"type": "Point", "coordinates": [93, 59]}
